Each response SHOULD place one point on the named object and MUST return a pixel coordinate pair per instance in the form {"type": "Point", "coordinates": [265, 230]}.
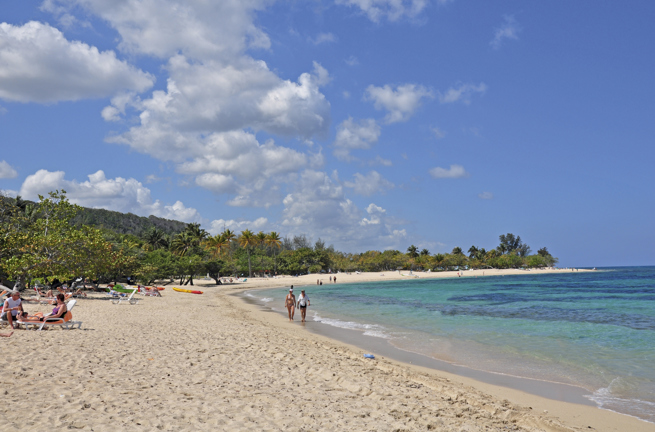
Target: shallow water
{"type": "Point", "coordinates": [592, 329]}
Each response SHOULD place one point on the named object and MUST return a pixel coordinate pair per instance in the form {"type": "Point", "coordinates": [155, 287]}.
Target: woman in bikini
{"type": "Point", "coordinates": [290, 303]}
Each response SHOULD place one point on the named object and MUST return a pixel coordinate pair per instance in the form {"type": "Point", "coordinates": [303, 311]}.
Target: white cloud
{"type": "Point", "coordinates": [455, 171]}
{"type": "Point", "coordinates": [508, 30]}
{"type": "Point", "coordinates": [462, 93]}
{"type": "Point", "coordinates": [486, 195]}
{"type": "Point", "coordinates": [317, 207]}
{"type": "Point", "coordinates": [401, 102]}
{"type": "Point", "coordinates": [38, 64]}
{"type": "Point", "coordinates": [196, 28]}
{"type": "Point", "coordinates": [213, 97]}
{"type": "Point", "coordinates": [438, 133]}
{"type": "Point", "coordinates": [119, 194]}
{"type": "Point", "coordinates": [375, 213]}
{"type": "Point", "coordinates": [323, 38]}
{"type": "Point", "coordinates": [7, 171]}
{"type": "Point", "coordinates": [353, 135]}
{"type": "Point", "coordinates": [393, 10]}
{"type": "Point", "coordinates": [216, 94]}
{"type": "Point", "coordinates": [352, 61]}
{"type": "Point", "coordinates": [379, 160]}
{"type": "Point", "coordinates": [219, 225]}
{"type": "Point", "coordinates": [369, 184]}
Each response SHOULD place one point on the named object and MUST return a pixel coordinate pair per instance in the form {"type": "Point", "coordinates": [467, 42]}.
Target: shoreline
{"type": "Point", "coordinates": [567, 402]}
{"type": "Point", "coordinates": [214, 362]}
{"type": "Point", "coordinates": [381, 347]}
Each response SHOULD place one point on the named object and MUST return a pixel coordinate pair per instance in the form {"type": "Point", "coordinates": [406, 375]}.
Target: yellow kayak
{"type": "Point", "coordinates": [186, 290]}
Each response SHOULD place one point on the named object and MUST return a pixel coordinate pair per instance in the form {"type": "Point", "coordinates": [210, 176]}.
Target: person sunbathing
{"type": "Point", "coordinates": [57, 313]}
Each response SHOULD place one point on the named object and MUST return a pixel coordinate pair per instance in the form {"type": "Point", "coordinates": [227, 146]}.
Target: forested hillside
{"type": "Point", "coordinates": [126, 223]}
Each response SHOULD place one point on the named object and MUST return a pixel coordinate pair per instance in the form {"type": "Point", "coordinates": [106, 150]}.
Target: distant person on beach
{"type": "Point", "coordinates": [334, 279]}
{"type": "Point", "coordinates": [330, 279]}
{"type": "Point", "coordinates": [303, 302]}
{"type": "Point", "coordinates": [290, 303]}
{"type": "Point", "coordinates": [12, 308]}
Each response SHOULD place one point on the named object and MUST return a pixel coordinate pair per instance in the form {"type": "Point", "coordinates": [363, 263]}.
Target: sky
{"type": "Point", "coordinates": [371, 124]}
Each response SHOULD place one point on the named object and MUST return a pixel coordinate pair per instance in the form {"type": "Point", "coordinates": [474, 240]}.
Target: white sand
{"type": "Point", "coordinates": [212, 362]}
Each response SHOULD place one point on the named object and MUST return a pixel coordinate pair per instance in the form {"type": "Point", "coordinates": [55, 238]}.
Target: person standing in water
{"type": "Point", "coordinates": [303, 302]}
{"type": "Point", "coordinates": [290, 303]}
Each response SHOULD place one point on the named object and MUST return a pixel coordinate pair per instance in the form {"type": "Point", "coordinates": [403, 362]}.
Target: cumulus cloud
{"type": "Point", "coordinates": [486, 195]}
{"type": "Point", "coordinates": [462, 93]}
{"type": "Point", "coordinates": [38, 64]}
{"type": "Point", "coordinates": [369, 184]}
{"type": "Point", "coordinates": [216, 94]}
{"type": "Point", "coordinates": [509, 30]}
{"type": "Point", "coordinates": [219, 225]}
{"type": "Point", "coordinates": [118, 194]}
{"type": "Point", "coordinates": [393, 10]}
{"type": "Point", "coordinates": [196, 28]}
{"type": "Point", "coordinates": [216, 97]}
{"type": "Point", "coordinates": [352, 135]}
{"type": "Point", "coordinates": [400, 103]}
{"type": "Point", "coordinates": [317, 207]}
{"type": "Point", "coordinates": [7, 171]}
{"type": "Point", "coordinates": [455, 171]}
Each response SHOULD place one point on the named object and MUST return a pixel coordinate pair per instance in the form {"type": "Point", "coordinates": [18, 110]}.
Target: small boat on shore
{"type": "Point", "coordinates": [186, 290]}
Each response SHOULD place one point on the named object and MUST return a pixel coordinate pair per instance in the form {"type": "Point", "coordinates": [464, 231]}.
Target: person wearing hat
{"type": "Point", "coordinates": [290, 303]}
{"type": "Point", "coordinates": [303, 302]}
{"type": "Point", "coordinates": [12, 307]}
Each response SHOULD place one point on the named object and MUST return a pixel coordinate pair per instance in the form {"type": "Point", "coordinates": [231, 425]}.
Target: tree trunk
{"type": "Point", "coordinates": [249, 268]}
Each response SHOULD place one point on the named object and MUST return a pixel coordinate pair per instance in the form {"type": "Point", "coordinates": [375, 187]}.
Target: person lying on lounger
{"type": "Point", "coordinates": [57, 313]}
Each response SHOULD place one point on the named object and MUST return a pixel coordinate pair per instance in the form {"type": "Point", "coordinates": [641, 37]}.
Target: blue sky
{"type": "Point", "coordinates": [371, 124]}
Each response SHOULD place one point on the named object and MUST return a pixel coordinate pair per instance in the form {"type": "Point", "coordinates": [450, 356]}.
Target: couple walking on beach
{"type": "Point", "coordinates": [290, 303]}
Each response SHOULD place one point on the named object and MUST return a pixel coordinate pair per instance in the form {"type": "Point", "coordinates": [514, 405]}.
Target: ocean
{"type": "Point", "coordinates": [594, 330]}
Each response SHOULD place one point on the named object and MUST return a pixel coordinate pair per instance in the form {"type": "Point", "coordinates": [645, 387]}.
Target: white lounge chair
{"type": "Point", "coordinates": [65, 322]}
{"type": "Point", "coordinates": [129, 299]}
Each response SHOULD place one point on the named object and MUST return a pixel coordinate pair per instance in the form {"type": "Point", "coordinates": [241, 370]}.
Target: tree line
{"type": "Point", "coordinates": [45, 240]}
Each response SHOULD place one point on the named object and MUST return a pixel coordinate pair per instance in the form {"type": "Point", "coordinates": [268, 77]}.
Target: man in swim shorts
{"type": "Point", "coordinates": [290, 303]}
{"type": "Point", "coordinates": [303, 302]}
{"type": "Point", "coordinates": [12, 308]}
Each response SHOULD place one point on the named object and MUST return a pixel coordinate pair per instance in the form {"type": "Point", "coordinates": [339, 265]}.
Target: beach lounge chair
{"type": "Point", "coordinates": [65, 322]}
{"type": "Point", "coordinates": [129, 299]}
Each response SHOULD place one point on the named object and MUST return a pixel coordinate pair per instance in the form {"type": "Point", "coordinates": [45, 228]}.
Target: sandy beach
{"type": "Point", "coordinates": [214, 362]}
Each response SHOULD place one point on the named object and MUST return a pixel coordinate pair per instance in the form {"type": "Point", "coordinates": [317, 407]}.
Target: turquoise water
{"type": "Point", "coordinates": [591, 329]}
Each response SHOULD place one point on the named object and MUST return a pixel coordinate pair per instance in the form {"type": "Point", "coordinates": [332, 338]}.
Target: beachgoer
{"type": "Point", "coordinates": [321, 283]}
{"type": "Point", "coordinates": [303, 302]}
{"type": "Point", "coordinates": [58, 312]}
{"type": "Point", "coordinates": [290, 303]}
{"type": "Point", "coordinates": [316, 281]}
{"type": "Point", "coordinates": [330, 279]}
{"type": "Point", "coordinates": [6, 334]}
{"type": "Point", "coordinates": [334, 279]}
{"type": "Point", "coordinates": [12, 308]}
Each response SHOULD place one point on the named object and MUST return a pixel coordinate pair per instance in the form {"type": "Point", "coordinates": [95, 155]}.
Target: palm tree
{"type": "Point", "coordinates": [216, 244]}
{"type": "Point", "coordinates": [473, 252]}
{"type": "Point", "coordinates": [261, 242]}
{"type": "Point", "coordinates": [425, 252]}
{"type": "Point", "coordinates": [229, 237]}
{"type": "Point", "coordinates": [273, 240]}
{"type": "Point", "coordinates": [247, 240]}
{"type": "Point", "coordinates": [412, 251]}
{"type": "Point", "coordinates": [182, 242]}
{"type": "Point", "coordinates": [155, 238]}
{"type": "Point", "coordinates": [197, 234]}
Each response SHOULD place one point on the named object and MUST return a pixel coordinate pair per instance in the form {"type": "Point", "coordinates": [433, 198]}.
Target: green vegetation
{"type": "Point", "coordinates": [56, 239]}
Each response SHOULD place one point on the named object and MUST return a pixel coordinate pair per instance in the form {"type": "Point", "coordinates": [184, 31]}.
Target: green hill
{"type": "Point", "coordinates": [126, 223]}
